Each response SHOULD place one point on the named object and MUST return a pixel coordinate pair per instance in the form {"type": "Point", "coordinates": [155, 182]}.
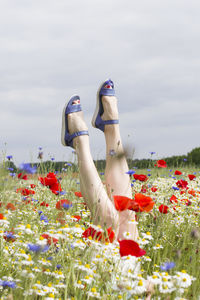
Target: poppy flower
{"type": "Point", "coordinates": [78, 194]}
{"type": "Point", "coordinates": [177, 172]}
{"type": "Point", "coordinates": [25, 192]}
{"type": "Point", "coordinates": [144, 189]}
{"type": "Point", "coordinates": [192, 192]}
{"type": "Point", "coordinates": [191, 176]}
{"type": "Point", "coordinates": [154, 189]}
{"type": "Point", "coordinates": [32, 186]}
{"type": "Point", "coordinates": [51, 181]}
{"type": "Point", "coordinates": [145, 203]}
{"type": "Point", "coordinates": [182, 184]}
{"type": "Point", "coordinates": [44, 204]}
{"type": "Point", "coordinates": [129, 247]}
{"type": "Point", "coordinates": [1, 216]}
{"type": "Point", "coordinates": [163, 209]}
{"type": "Point", "coordinates": [50, 240]}
{"type": "Point", "coordinates": [173, 199]}
{"type": "Point", "coordinates": [10, 206]}
{"type": "Point", "coordinates": [161, 164]}
{"type": "Point", "coordinates": [76, 217]}
{"type": "Point", "coordinates": [63, 203]}
{"type": "Point", "coordinates": [140, 177]}
{"type": "Point", "coordinates": [109, 236]}
{"type": "Point", "coordinates": [21, 176]}
{"type": "Point", "coordinates": [121, 202]}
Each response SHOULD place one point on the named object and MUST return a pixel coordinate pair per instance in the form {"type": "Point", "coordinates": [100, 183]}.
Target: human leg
{"type": "Point", "coordinates": [102, 209]}
{"type": "Point", "coordinates": [117, 181]}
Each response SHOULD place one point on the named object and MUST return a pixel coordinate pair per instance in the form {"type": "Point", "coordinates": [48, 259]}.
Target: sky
{"type": "Point", "coordinates": [51, 50]}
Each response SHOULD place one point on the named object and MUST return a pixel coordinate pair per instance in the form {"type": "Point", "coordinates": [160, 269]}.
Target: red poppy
{"type": "Point", "coordinates": [32, 186]}
{"type": "Point", "coordinates": [177, 172]}
{"type": "Point", "coordinates": [63, 203]}
{"type": "Point", "coordinates": [49, 239]}
{"type": "Point", "coordinates": [161, 164]}
{"type": "Point", "coordinates": [21, 176]}
{"type": "Point", "coordinates": [140, 177]}
{"type": "Point", "coordinates": [44, 204]}
{"type": "Point", "coordinates": [109, 236]}
{"type": "Point", "coordinates": [173, 199]}
{"type": "Point", "coordinates": [191, 176]}
{"type": "Point", "coordinates": [78, 194]}
{"type": "Point", "coordinates": [154, 189]}
{"type": "Point", "coordinates": [52, 182]}
{"type": "Point", "coordinates": [121, 202]}
{"type": "Point", "coordinates": [25, 192]}
{"type": "Point", "coordinates": [1, 216]}
{"type": "Point", "coordinates": [163, 209]}
{"type": "Point", "coordinates": [129, 247]}
{"type": "Point", "coordinates": [145, 203]}
{"type": "Point", "coordinates": [10, 206]}
{"type": "Point", "coordinates": [76, 217]}
{"type": "Point", "coordinates": [182, 184]}
{"type": "Point", "coordinates": [192, 192]}
{"type": "Point", "coordinates": [144, 189]}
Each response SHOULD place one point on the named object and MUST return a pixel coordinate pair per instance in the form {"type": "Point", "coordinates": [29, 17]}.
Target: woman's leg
{"type": "Point", "coordinates": [117, 181]}
{"type": "Point", "coordinates": [102, 209]}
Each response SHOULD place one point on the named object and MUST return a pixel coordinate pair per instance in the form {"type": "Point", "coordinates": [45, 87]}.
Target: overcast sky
{"type": "Point", "coordinates": [51, 49]}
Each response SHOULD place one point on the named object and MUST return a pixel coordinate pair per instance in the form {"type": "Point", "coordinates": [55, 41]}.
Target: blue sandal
{"type": "Point", "coordinates": [105, 89]}
{"type": "Point", "coordinates": [72, 106]}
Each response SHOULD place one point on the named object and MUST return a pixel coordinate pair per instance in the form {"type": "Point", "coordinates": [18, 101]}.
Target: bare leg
{"type": "Point", "coordinates": [117, 181]}
{"type": "Point", "coordinates": [102, 209]}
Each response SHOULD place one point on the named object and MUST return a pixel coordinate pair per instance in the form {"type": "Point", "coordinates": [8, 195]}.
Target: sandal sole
{"type": "Point", "coordinates": [63, 130]}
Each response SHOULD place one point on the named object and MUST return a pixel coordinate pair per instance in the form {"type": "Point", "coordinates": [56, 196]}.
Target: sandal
{"type": "Point", "coordinates": [72, 106]}
{"type": "Point", "coordinates": [105, 89]}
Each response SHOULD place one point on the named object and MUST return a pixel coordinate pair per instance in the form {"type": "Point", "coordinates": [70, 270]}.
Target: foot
{"type": "Point", "coordinates": [73, 124]}
{"type": "Point", "coordinates": [76, 123]}
{"type": "Point", "coordinates": [106, 112]}
{"type": "Point", "coordinates": [110, 108]}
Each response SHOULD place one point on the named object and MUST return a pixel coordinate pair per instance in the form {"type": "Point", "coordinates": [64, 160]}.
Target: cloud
{"type": "Point", "coordinates": [51, 50]}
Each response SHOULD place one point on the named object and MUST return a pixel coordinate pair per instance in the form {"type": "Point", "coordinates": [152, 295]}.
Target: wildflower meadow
{"type": "Point", "coordinates": [49, 248]}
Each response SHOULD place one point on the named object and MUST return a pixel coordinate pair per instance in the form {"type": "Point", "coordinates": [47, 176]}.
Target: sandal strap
{"type": "Point", "coordinates": [107, 122]}
{"type": "Point", "coordinates": [69, 137]}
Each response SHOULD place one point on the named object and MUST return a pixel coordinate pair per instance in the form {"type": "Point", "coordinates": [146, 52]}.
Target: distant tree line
{"type": "Point", "coordinates": [189, 160]}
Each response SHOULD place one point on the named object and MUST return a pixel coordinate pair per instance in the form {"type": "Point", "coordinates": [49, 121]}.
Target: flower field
{"type": "Point", "coordinates": [49, 249]}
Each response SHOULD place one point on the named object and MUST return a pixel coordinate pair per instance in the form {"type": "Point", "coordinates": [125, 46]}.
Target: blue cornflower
{"type": "Point", "coordinates": [40, 212]}
{"type": "Point", "coordinates": [44, 218]}
{"type": "Point", "coordinates": [61, 192]}
{"type": "Point", "coordinates": [9, 157]}
{"type": "Point", "coordinates": [52, 158]}
{"type": "Point", "coordinates": [175, 188]}
{"type": "Point", "coordinates": [12, 174]}
{"type": "Point", "coordinates": [10, 284]}
{"type": "Point", "coordinates": [132, 184]}
{"type": "Point", "coordinates": [10, 169]}
{"type": "Point", "coordinates": [152, 152]}
{"type": "Point", "coordinates": [9, 236]}
{"type": "Point", "coordinates": [69, 164]}
{"type": "Point", "coordinates": [185, 159]}
{"type": "Point", "coordinates": [130, 172]}
{"type": "Point", "coordinates": [50, 258]}
{"type": "Point", "coordinates": [167, 266]}
{"type": "Point", "coordinates": [101, 173]}
{"type": "Point", "coordinates": [58, 267]}
{"type": "Point", "coordinates": [27, 168]}
{"type": "Point", "coordinates": [38, 248]}
{"type": "Point", "coordinates": [40, 148]}
{"type": "Point", "coordinates": [35, 200]}
{"type": "Point", "coordinates": [149, 170]}
{"type": "Point", "coordinates": [66, 206]}
{"type": "Point", "coordinates": [149, 175]}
